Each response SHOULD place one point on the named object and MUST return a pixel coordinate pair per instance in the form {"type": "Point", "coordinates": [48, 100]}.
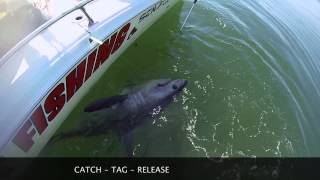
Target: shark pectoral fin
{"type": "Point", "coordinates": [105, 103]}
{"type": "Point", "coordinates": [127, 142]}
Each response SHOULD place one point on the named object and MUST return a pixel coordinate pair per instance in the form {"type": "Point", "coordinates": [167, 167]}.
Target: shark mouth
{"type": "Point", "coordinates": [179, 84]}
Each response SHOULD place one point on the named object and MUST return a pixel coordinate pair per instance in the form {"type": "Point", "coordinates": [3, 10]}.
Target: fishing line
{"type": "Point", "coordinates": [194, 2]}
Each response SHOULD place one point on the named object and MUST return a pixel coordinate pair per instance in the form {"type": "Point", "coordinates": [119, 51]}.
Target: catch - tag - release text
{"type": "Point", "coordinates": [122, 170]}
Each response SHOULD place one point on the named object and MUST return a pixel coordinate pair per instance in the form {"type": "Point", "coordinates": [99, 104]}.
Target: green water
{"type": "Point", "coordinates": [253, 72]}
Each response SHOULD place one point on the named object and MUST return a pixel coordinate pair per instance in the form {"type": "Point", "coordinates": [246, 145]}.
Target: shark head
{"type": "Point", "coordinates": [150, 95]}
{"type": "Point", "coordinates": [161, 90]}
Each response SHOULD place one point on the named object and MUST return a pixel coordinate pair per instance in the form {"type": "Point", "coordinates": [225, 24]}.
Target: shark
{"type": "Point", "coordinates": [125, 112]}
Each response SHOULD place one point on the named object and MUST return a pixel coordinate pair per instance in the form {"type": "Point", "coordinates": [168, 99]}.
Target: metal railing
{"type": "Point", "coordinates": [44, 26]}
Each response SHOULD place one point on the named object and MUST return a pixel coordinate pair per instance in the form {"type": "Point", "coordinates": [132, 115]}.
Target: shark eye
{"type": "Point", "coordinates": [174, 86]}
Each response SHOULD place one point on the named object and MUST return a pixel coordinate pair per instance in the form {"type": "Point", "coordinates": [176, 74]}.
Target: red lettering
{"type": "Point", "coordinates": [91, 59]}
{"type": "Point", "coordinates": [75, 79]}
{"type": "Point", "coordinates": [57, 98]}
{"type": "Point", "coordinates": [55, 102]}
{"type": "Point", "coordinates": [39, 120]}
{"type": "Point", "coordinates": [121, 37]}
{"type": "Point", "coordinates": [104, 51]}
{"type": "Point", "coordinates": [23, 138]}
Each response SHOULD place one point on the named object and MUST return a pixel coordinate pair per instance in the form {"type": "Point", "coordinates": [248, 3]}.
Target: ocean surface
{"type": "Point", "coordinates": [253, 91]}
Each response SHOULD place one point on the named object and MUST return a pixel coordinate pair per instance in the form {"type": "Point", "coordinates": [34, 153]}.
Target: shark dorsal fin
{"type": "Point", "coordinates": [105, 103]}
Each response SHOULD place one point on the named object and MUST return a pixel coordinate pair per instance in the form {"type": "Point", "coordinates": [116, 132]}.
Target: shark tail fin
{"type": "Point", "coordinates": [56, 138]}
{"type": "Point", "coordinates": [126, 141]}
{"type": "Point", "coordinates": [66, 135]}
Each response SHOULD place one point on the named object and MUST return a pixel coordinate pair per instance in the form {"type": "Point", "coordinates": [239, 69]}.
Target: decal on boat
{"type": "Point", "coordinates": [153, 9]}
{"type": "Point", "coordinates": [134, 30]}
{"type": "Point", "coordinates": [62, 93]}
